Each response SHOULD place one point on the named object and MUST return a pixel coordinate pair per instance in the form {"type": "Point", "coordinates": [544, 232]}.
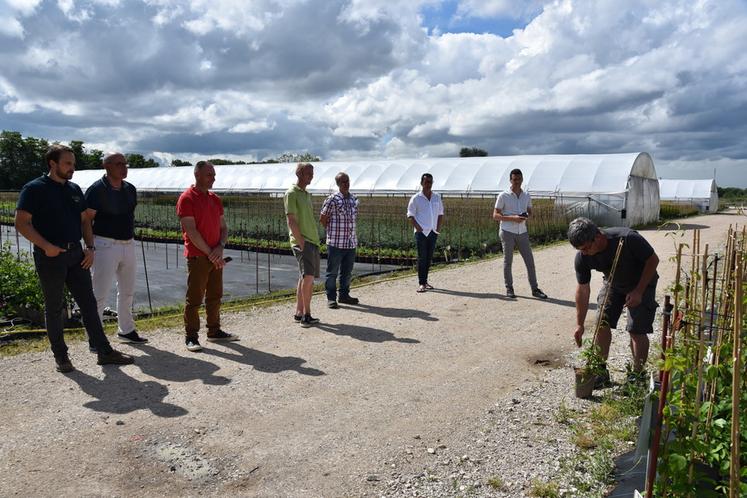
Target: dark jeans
{"type": "Point", "coordinates": [339, 260]}
{"type": "Point", "coordinates": [426, 247]}
{"type": "Point", "coordinates": [56, 273]}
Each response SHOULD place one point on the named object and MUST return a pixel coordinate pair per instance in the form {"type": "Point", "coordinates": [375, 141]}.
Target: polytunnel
{"type": "Point", "coordinates": [617, 189]}
{"type": "Point", "coordinates": [702, 194]}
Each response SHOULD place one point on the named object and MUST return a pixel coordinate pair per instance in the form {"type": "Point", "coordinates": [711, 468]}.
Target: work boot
{"type": "Point", "coordinates": [63, 364]}
{"type": "Point", "coordinates": [115, 358]}
{"type": "Point", "coordinates": [348, 300]}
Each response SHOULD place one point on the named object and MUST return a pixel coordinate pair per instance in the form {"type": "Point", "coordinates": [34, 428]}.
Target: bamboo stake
{"type": "Point", "coordinates": [600, 315]}
{"type": "Point", "coordinates": [734, 470]}
{"type": "Point", "coordinates": [700, 354]}
{"type": "Point", "coordinates": [677, 285]}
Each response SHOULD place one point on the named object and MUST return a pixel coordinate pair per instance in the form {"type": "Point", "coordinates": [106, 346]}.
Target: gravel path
{"type": "Point", "coordinates": [406, 395]}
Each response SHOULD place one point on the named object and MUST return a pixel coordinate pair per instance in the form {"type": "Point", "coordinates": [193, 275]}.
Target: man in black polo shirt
{"type": "Point", "coordinates": [51, 214]}
{"type": "Point", "coordinates": [111, 205]}
{"type": "Point", "coordinates": [633, 286]}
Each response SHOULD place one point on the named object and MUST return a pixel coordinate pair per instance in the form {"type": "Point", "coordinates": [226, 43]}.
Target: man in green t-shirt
{"type": "Point", "coordinates": [304, 241]}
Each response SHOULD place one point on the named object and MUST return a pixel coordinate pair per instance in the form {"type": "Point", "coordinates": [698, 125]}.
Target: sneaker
{"type": "Point", "coordinates": [115, 358]}
{"type": "Point", "coordinates": [63, 364]}
{"type": "Point", "coordinates": [308, 321]}
{"type": "Point", "coordinates": [603, 380]}
{"type": "Point", "coordinates": [298, 318]}
{"type": "Point", "coordinates": [332, 305]}
{"type": "Point", "coordinates": [349, 300]}
{"type": "Point", "coordinates": [537, 292]}
{"type": "Point", "coordinates": [193, 345]}
{"type": "Point", "coordinates": [510, 293]}
{"type": "Point", "coordinates": [131, 338]}
{"type": "Point", "coordinates": [221, 336]}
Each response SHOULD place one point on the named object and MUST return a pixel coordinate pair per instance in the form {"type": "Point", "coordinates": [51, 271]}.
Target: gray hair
{"type": "Point", "coordinates": [302, 166]}
{"type": "Point", "coordinates": [581, 231]}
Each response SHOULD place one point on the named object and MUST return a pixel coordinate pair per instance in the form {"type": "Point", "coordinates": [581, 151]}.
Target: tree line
{"type": "Point", "coordinates": [22, 159]}
{"type": "Point", "coordinates": [287, 157]}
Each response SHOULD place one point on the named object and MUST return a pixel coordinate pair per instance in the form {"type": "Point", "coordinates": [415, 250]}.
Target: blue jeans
{"type": "Point", "coordinates": [339, 261]}
{"type": "Point", "coordinates": [56, 273]}
{"type": "Point", "coordinates": [426, 247]}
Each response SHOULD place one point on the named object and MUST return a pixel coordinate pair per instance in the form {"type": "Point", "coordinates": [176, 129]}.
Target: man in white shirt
{"type": "Point", "coordinates": [425, 212]}
{"type": "Point", "coordinates": [512, 208]}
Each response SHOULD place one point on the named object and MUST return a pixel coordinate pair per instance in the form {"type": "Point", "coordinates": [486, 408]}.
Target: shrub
{"type": "Point", "coordinates": [20, 292]}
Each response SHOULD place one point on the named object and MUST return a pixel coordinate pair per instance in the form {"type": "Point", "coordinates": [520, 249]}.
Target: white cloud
{"type": "Point", "coordinates": [364, 78]}
{"type": "Point", "coordinates": [252, 126]}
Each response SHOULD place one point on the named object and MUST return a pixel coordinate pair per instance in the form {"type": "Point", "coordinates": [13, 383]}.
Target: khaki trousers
{"type": "Point", "coordinates": [203, 281]}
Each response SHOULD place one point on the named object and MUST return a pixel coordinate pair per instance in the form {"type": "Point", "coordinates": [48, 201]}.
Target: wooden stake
{"type": "Point", "coordinates": [701, 353]}
{"type": "Point", "coordinates": [734, 470]}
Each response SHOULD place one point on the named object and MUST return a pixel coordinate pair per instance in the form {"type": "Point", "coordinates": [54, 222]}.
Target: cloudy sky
{"type": "Point", "coordinates": [350, 79]}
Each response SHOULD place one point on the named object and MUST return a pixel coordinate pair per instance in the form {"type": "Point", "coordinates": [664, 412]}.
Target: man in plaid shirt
{"type": "Point", "coordinates": [338, 215]}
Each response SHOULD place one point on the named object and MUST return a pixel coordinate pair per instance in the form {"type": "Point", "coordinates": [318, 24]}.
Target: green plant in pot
{"type": "Point", "coordinates": [594, 366]}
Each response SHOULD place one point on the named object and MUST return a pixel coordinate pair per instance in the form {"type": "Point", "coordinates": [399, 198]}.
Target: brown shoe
{"type": "Point", "coordinates": [63, 364]}
{"type": "Point", "coordinates": [115, 358]}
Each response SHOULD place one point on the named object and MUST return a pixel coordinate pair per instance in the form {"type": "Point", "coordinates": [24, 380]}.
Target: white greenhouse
{"type": "Point", "coordinates": [617, 189]}
{"type": "Point", "coordinates": [702, 194]}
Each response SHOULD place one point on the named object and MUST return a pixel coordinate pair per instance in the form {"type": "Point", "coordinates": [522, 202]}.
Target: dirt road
{"type": "Point", "coordinates": [290, 411]}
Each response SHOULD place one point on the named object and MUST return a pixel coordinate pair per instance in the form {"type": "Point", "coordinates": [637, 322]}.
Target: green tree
{"type": "Point", "coordinates": [222, 162]}
{"type": "Point", "coordinates": [139, 161]}
{"type": "Point", "coordinates": [472, 152]}
{"type": "Point", "coordinates": [21, 159]}
{"type": "Point", "coordinates": [86, 159]}
{"type": "Point", "coordinates": [289, 157]}
{"type": "Point", "coordinates": [179, 162]}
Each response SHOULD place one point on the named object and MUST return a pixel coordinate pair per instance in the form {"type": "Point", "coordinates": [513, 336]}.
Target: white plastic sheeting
{"type": "Point", "coordinates": [611, 182]}
{"type": "Point", "coordinates": [701, 193]}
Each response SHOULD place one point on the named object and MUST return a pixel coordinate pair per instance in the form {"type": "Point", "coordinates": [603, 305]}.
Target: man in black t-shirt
{"type": "Point", "coordinates": [51, 214]}
{"type": "Point", "coordinates": [111, 205]}
{"type": "Point", "coordinates": [633, 286]}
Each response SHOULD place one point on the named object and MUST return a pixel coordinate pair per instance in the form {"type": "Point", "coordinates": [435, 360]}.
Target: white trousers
{"type": "Point", "coordinates": [115, 258]}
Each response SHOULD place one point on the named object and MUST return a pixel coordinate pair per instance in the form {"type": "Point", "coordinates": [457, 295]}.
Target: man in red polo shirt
{"type": "Point", "coordinates": [205, 233]}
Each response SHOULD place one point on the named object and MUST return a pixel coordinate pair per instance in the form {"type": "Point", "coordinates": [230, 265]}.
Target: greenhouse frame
{"type": "Point", "coordinates": [615, 189]}
{"type": "Point", "coordinates": [702, 194]}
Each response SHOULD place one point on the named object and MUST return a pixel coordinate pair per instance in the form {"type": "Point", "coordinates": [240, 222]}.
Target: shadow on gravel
{"type": "Point", "coordinates": [166, 365]}
{"type": "Point", "coordinates": [391, 312]}
{"type": "Point", "coordinates": [261, 361]}
{"type": "Point", "coordinates": [367, 334]}
{"type": "Point", "coordinates": [119, 393]}
{"type": "Point", "coordinates": [476, 295]}
{"type": "Point", "coordinates": [564, 302]}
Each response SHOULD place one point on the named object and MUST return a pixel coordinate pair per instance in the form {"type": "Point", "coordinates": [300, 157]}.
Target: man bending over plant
{"type": "Point", "coordinates": [633, 286]}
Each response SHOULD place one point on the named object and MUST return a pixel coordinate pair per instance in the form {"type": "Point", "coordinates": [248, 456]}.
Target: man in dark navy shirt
{"type": "Point", "coordinates": [51, 214]}
{"type": "Point", "coordinates": [633, 286]}
{"type": "Point", "coordinates": [111, 205]}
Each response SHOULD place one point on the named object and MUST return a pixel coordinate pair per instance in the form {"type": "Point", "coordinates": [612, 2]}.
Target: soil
{"type": "Point", "coordinates": [330, 410]}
